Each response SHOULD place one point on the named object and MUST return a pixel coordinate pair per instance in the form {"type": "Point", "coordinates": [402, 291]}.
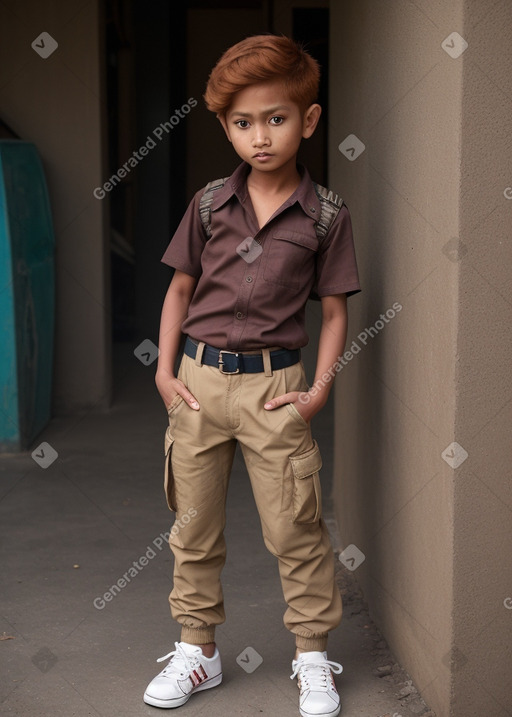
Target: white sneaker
{"type": "Point", "coordinates": [188, 671]}
{"type": "Point", "coordinates": [318, 696]}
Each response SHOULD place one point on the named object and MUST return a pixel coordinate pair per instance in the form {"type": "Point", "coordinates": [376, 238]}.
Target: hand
{"type": "Point", "coordinates": [169, 387]}
{"type": "Point", "coordinates": [307, 405]}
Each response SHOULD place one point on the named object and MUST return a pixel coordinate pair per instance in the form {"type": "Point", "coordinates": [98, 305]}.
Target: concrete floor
{"type": "Point", "coordinates": [72, 529]}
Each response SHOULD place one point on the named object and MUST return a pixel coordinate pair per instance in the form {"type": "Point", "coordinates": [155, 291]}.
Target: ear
{"type": "Point", "coordinates": [310, 121]}
{"type": "Point", "coordinates": [222, 120]}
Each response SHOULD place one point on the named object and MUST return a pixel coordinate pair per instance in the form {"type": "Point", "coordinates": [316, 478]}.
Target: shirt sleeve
{"type": "Point", "coordinates": [336, 266]}
{"type": "Point", "coordinates": [187, 244]}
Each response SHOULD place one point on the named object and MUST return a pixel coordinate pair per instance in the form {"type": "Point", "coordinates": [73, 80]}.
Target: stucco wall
{"type": "Point", "coordinates": [482, 610]}
{"type": "Point", "coordinates": [57, 104]}
{"type": "Point", "coordinates": [432, 226]}
{"type": "Point", "coordinates": [396, 396]}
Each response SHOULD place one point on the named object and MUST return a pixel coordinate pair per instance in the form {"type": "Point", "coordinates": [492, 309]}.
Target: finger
{"type": "Point", "coordinates": [186, 396]}
{"type": "Point", "coordinates": [279, 401]}
{"type": "Point", "coordinates": [190, 399]}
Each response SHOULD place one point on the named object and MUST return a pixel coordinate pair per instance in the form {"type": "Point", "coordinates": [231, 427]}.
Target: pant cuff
{"type": "Point", "coordinates": [198, 635]}
{"type": "Point", "coordinates": [311, 644]}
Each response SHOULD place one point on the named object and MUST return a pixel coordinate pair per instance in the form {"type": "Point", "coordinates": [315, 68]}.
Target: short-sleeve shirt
{"type": "Point", "coordinates": [253, 283]}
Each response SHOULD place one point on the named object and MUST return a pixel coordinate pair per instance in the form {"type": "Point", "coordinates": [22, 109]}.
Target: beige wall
{"type": "Point", "coordinates": [483, 487]}
{"type": "Point", "coordinates": [57, 104]}
{"type": "Point", "coordinates": [437, 136]}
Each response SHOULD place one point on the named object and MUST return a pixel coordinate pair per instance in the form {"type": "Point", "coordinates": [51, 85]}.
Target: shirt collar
{"type": "Point", "coordinates": [236, 184]}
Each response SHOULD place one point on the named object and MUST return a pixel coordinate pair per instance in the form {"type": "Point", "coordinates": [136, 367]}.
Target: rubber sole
{"type": "Point", "coordinates": [179, 701]}
{"type": "Point", "coordinates": [334, 713]}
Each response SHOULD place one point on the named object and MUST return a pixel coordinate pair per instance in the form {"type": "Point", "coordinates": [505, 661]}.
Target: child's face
{"type": "Point", "coordinates": [266, 127]}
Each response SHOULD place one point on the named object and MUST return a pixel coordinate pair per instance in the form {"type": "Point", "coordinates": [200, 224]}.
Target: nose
{"type": "Point", "coordinates": [260, 137]}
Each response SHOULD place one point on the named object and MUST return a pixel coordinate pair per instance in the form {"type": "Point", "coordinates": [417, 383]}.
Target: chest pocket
{"type": "Point", "coordinates": [290, 258]}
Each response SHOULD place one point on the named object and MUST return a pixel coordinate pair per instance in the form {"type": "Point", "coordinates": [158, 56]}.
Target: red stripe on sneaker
{"type": "Point", "coordinates": [196, 678]}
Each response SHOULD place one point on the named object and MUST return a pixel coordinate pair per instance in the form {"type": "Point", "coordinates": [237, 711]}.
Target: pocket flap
{"type": "Point", "coordinates": [305, 464]}
{"type": "Point", "coordinates": [168, 440]}
{"type": "Point", "coordinates": [309, 242]}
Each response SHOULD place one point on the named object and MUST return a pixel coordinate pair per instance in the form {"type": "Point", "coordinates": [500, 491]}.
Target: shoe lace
{"type": "Point", "coordinates": [314, 675]}
{"type": "Point", "coordinates": [180, 663]}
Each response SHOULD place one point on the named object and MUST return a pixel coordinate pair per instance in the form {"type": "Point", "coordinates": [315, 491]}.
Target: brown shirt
{"type": "Point", "coordinates": [253, 284]}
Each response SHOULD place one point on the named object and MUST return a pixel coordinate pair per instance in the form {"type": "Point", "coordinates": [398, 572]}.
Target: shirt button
{"type": "Point", "coordinates": [313, 210]}
{"type": "Point", "coordinates": [248, 279]}
{"type": "Point", "coordinates": [239, 315]}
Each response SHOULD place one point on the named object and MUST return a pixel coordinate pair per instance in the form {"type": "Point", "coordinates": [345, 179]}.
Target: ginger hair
{"type": "Point", "coordinates": [263, 58]}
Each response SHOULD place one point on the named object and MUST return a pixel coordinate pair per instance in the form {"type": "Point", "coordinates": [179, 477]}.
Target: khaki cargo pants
{"type": "Point", "coordinates": [283, 462]}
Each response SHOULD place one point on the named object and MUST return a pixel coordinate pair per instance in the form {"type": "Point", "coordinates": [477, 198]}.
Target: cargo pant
{"type": "Point", "coordinates": [283, 462]}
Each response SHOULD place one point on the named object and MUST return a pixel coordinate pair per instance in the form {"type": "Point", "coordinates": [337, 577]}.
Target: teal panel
{"type": "Point", "coordinates": [9, 418]}
{"type": "Point", "coordinates": [27, 296]}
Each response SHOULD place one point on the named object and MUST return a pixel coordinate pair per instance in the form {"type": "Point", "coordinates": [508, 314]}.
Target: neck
{"type": "Point", "coordinates": [283, 179]}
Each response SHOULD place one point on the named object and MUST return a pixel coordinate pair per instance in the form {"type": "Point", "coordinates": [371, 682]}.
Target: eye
{"type": "Point", "coordinates": [243, 124]}
{"type": "Point", "coordinates": [276, 120]}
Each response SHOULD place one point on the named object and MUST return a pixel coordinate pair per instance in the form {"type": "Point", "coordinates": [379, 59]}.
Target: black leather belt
{"type": "Point", "coordinates": [231, 362]}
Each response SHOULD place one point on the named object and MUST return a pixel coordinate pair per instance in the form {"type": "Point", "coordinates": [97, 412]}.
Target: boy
{"type": "Point", "coordinates": [245, 266]}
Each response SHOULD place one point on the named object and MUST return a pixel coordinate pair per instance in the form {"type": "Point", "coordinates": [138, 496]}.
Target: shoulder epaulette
{"type": "Point", "coordinates": [330, 205]}
{"type": "Point", "coordinates": [205, 203]}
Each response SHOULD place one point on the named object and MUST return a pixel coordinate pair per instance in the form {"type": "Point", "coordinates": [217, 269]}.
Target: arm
{"type": "Point", "coordinates": [174, 311]}
{"type": "Point", "coordinates": [331, 344]}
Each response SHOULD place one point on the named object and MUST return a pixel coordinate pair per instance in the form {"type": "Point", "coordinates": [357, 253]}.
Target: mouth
{"type": "Point", "coordinates": [261, 155]}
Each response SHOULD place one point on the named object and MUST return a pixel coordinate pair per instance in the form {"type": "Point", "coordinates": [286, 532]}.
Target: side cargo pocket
{"type": "Point", "coordinates": [307, 493]}
{"type": "Point", "coordinates": [168, 475]}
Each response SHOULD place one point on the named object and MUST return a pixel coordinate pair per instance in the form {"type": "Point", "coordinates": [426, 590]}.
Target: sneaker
{"type": "Point", "coordinates": [188, 671]}
{"type": "Point", "coordinates": [318, 695]}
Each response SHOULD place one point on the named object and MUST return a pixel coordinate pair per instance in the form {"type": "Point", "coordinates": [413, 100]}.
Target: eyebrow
{"type": "Point", "coordinates": [268, 111]}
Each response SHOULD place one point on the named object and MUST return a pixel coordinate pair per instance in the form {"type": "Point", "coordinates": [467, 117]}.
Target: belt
{"type": "Point", "coordinates": [231, 362]}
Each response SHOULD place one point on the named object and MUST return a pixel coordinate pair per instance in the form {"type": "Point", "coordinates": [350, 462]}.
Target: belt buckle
{"type": "Point", "coordinates": [221, 363]}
